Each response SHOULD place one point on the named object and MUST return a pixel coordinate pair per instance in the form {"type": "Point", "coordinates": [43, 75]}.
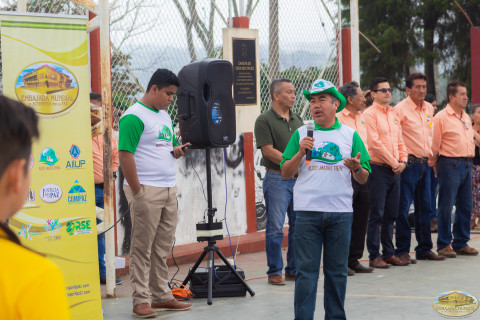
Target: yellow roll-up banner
{"type": "Point", "coordinates": [45, 65]}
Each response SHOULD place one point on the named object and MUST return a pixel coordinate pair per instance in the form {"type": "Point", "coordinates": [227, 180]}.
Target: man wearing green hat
{"type": "Point", "coordinates": [323, 199]}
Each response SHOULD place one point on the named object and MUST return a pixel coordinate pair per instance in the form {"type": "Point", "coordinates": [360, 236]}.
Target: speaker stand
{"type": "Point", "coordinates": [211, 248]}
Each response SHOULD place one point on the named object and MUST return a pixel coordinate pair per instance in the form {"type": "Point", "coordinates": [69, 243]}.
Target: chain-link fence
{"type": "Point", "coordinates": [298, 40]}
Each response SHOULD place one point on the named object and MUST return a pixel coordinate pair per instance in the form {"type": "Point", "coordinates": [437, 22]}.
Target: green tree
{"type": "Point", "coordinates": [387, 24]}
{"type": "Point", "coordinates": [125, 89]}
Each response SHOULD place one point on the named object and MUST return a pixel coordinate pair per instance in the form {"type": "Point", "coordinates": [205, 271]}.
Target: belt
{"type": "Point", "coordinates": [273, 170]}
{"type": "Point", "coordinates": [381, 164]}
{"type": "Point", "coordinates": [467, 159]}
{"type": "Point", "coordinates": [280, 172]}
{"type": "Point", "coordinates": [412, 158]}
{"type": "Point", "coordinates": [99, 185]}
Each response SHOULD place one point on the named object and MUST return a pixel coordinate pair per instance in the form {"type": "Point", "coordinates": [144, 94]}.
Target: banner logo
{"type": "Point", "coordinates": [50, 193]}
{"type": "Point", "coordinates": [455, 303]}
{"type": "Point", "coordinates": [77, 194]}
{"type": "Point", "coordinates": [48, 88]}
{"type": "Point", "coordinates": [52, 226]}
{"type": "Point", "coordinates": [75, 153]}
{"type": "Point", "coordinates": [30, 200]}
{"type": "Point", "coordinates": [78, 227]}
{"type": "Point", "coordinates": [48, 157]}
{"type": "Point", "coordinates": [25, 231]}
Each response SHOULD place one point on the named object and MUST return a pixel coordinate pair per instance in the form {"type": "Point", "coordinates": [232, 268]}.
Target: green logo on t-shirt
{"type": "Point", "coordinates": [327, 152]}
{"type": "Point", "coordinates": [165, 133]}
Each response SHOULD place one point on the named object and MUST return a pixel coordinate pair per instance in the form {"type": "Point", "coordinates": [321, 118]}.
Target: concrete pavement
{"type": "Point", "coordinates": [394, 293]}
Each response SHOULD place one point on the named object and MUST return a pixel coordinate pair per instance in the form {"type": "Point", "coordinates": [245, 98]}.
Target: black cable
{"type": "Point", "coordinates": [201, 183]}
{"type": "Point", "coordinates": [170, 283]}
{"type": "Point", "coordinates": [121, 217]}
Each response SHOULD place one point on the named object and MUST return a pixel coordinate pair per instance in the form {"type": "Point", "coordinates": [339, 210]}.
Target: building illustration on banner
{"type": "Point", "coordinates": [49, 88]}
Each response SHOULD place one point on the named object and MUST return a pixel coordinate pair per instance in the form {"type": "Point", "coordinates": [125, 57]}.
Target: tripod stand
{"type": "Point", "coordinates": [211, 248]}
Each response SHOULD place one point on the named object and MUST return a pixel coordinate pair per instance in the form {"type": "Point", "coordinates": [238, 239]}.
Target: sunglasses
{"type": "Point", "coordinates": [384, 90]}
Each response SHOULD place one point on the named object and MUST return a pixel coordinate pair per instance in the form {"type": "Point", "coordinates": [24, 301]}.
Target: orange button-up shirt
{"type": "Point", "coordinates": [416, 125]}
{"type": "Point", "coordinates": [97, 150]}
{"type": "Point", "coordinates": [354, 121]}
{"type": "Point", "coordinates": [452, 135]}
{"type": "Point", "coordinates": [384, 135]}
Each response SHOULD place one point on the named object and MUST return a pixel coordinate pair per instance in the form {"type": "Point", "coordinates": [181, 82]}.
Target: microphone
{"type": "Point", "coordinates": [310, 128]}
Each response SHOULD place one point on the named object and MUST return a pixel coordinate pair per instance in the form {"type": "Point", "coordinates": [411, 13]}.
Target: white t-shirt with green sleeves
{"type": "Point", "coordinates": [325, 185]}
{"type": "Point", "coordinates": [149, 135]}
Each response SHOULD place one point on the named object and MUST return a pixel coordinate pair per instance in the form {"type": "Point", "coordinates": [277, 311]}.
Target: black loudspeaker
{"type": "Point", "coordinates": [206, 111]}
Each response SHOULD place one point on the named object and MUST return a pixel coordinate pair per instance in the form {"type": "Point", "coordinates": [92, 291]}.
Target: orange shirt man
{"type": "Point", "coordinates": [452, 152]}
{"type": "Point", "coordinates": [415, 116]}
{"type": "Point", "coordinates": [388, 160]}
{"type": "Point", "coordinates": [352, 116]}
{"type": "Point", "coordinates": [384, 134]}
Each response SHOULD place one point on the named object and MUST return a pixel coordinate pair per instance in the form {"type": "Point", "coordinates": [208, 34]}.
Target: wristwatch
{"type": "Point", "coordinates": [358, 170]}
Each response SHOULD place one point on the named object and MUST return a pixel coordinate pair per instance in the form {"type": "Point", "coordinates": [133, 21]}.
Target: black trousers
{"type": "Point", "coordinates": [361, 208]}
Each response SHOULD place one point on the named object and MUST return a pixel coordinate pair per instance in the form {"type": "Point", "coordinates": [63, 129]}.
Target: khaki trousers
{"type": "Point", "coordinates": [154, 220]}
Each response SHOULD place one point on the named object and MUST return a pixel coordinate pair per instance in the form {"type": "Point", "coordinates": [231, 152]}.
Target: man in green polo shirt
{"type": "Point", "coordinates": [273, 130]}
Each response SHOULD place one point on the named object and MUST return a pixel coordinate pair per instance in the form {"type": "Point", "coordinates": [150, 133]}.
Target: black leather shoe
{"type": "Point", "coordinates": [430, 256]}
{"type": "Point", "coordinates": [359, 268]}
{"type": "Point", "coordinates": [351, 272]}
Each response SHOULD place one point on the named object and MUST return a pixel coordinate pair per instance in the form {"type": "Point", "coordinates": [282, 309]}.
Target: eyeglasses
{"type": "Point", "coordinates": [465, 124]}
{"type": "Point", "coordinates": [384, 90]}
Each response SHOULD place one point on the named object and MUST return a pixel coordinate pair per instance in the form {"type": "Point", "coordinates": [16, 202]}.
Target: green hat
{"type": "Point", "coordinates": [320, 86]}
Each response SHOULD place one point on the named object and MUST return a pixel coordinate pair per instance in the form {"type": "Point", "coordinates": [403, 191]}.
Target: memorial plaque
{"type": "Point", "coordinates": [244, 72]}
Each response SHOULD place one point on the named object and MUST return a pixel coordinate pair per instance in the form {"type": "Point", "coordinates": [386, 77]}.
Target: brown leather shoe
{"type": "Point", "coordinates": [395, 261]}
{"type": "Point", "coordinates": [276, 280]}
{"type": "Point", "coordinates": [406, 257]}
{"type": "Point", "coordinates": [289, 277]}
{"type": "Point", "coordinates": [379, 263]}
{"type": "Point", "coordinates": [430, 256]}
{"type": "Point", "coordinates": [172, 305]}
{"type": "Point", "coordinates": [359, 268]}
{"type": "Point", "coordinates": [447, 252]}
{"type": "Point", "coordinates": [351, 272]}
{"type": "Point", "coordinates": [143, 310]}
{"type": "Point", "coordinates": [467, 251]}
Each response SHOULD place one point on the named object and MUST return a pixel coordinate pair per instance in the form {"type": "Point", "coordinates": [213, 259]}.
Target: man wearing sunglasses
{"type": "Point", "coordinates": [388, 160]}
{"type": "Point", "coordinates": [453, 149]}
{"type": "Point", "coordinates": [415, 116]}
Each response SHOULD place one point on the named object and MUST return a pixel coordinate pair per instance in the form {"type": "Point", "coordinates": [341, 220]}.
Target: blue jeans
{"type": "Point", "coordinates": [99, 202]}
{"type": "Point", "coordinates": [415, 186]}
{"type": "Point", "coordinates": [384, 188]}
{"type": "Point", "coordinates": [433, 190]}
{"type": "Point", "coordinates": [278, 194]}
{"type": "Point", "coordinates": [332, 231]}
{"type": "Point", "coordinates": [455, 187]}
